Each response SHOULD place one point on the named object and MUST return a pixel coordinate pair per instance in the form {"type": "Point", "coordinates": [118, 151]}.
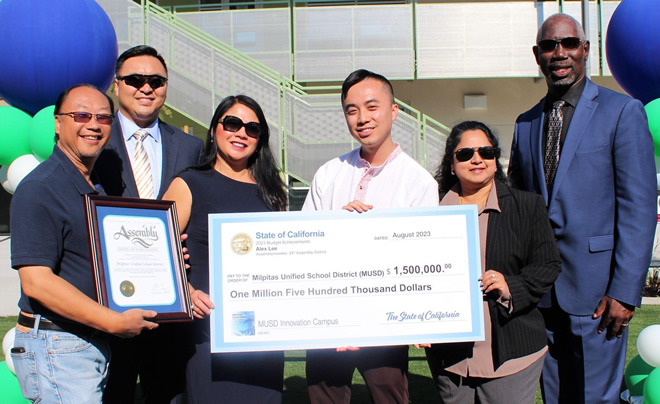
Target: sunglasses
{"type": "Point", "coordinates": [466, 153]}
{"type": "Point", "coordinates": [138, 80]}
{"type": "Point", "coordinates": [232, 124]}
{"type": "Point", "coordinates": [85, 117]}
{"type": "Point", "coordinates": [568, 43]}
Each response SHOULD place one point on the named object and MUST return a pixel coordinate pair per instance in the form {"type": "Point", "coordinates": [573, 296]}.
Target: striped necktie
{"type": "Point", "coordinates": [141, 167]}
{"type": "Point", "coordinates": [551, 160]}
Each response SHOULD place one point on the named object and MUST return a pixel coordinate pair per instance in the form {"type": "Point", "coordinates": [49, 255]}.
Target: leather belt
{"type": "Point", "coordinates": [26, 320]}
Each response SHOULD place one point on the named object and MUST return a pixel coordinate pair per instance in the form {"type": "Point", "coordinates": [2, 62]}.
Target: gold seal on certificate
{"type": "Point", "coordinates": [127, 288]}
{"type": "Point", "coordinates": [241, 244]}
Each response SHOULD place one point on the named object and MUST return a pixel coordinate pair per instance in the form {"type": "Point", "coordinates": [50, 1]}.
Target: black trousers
{"type": "Point", "coordinates": [158, 357]}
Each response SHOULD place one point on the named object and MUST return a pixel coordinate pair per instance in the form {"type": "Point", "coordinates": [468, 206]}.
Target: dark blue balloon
{"type": "Point", "coordinates": [633, 48]}
{"type": "Point", "coordinates": [48, 46]}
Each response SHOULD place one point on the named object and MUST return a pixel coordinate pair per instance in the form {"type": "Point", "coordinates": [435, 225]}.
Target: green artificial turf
{"type": "Point", "coordinates": [421, 386]}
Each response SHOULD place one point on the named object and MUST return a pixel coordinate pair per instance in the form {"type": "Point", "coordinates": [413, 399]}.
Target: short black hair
{"type": "Point", "coordinates": [64, 94]}
{"type": "Point", "coordinates": [443, 175]}
{"type": "Point", "coordinates": [361, 75]}
{"type": "Point", "coordinates": [140, 50]}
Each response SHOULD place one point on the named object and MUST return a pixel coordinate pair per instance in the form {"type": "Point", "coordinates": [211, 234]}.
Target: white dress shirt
{"type": "Point", "coordinates": [398, 183]}
{"type": "Point", "coordinates": [152, 145]}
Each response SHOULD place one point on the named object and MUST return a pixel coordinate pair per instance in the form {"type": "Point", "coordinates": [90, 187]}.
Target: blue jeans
{"type": "Point", "coordinates": [59, 367]}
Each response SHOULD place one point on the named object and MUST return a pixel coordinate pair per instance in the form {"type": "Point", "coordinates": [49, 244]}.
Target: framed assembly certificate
{"type": "Point", "coordinates": [305, 280]}
{"type": "Point", "coordinates": [136, 256]}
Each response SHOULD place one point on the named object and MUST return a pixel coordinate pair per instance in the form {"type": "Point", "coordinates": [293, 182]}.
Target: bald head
{"type": "Point", "coordinates": [561, 52]}
{"type": "Point", "coordinates": [560, 18]}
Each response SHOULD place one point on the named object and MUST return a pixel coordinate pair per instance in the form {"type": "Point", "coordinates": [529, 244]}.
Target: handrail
{"type": "Point", "coordinates": [220, 6]}
{"type": "Point", "coordinates": [417, 125]}
{"type": "Point", "coordinates": [279, 4]}
{"type": "Point", "coordinates": [228, 51]}
{"type": "Point", "coordinates": [245, 60]}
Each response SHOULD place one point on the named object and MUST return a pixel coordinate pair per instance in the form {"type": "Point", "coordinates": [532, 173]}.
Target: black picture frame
{"type": "Point", "coordinates": [137, 257]}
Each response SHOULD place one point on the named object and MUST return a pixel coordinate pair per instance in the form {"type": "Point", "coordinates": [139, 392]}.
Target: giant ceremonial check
{"type": "Point", "coordinates": [304, 280]}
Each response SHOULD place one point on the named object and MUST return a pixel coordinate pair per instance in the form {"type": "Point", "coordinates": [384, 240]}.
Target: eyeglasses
{"type": "Point", "coordinates": [569, 43]}
{"type": "Point", "coordinates": [232, 124]}
{"type": "Point", "coordinates": [85, 117]}
{"type": "Point", "coordinates": [138, 80]}
{"type": "Point", "coordinates": [466, 153]}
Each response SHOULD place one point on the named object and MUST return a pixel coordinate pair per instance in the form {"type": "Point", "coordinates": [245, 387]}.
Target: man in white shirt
{"type": "Point", "coordinates": [379, 174]}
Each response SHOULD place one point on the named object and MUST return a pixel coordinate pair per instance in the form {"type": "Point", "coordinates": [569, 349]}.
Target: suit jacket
{"type": "Point", "coordinates": [602, 205]}
{"type": "Point", "coordinates": [113, 167]}
{"type": "Point", "coordinates": [520, 245]}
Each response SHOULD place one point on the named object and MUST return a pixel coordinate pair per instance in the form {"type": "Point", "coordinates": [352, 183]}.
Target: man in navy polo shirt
{"type": "Point", "coordinates": [61, 350]}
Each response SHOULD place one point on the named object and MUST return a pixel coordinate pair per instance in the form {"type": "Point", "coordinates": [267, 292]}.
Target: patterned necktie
{"type": "Point", "coordinates": [141, 167]}
{"type": "Point", "coordinates": [551, 159]}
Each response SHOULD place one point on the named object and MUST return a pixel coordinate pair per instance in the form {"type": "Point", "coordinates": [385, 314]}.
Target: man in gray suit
{"type": "Point", "coordinates": [143, 156]}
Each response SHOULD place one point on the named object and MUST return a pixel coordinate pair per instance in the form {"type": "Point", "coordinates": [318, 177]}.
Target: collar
{"type": "Point", "coordinates": [129, 127]}
{"type": "Point", "coordinates": [72, 172]}
{"type": "Point", "coordinates": [374, 170]}
{"type": "Point", "coordinates": [571, 96]}
{"type": "Point", "coordinates": [493, 203]}
{"type": "Point", "coordinates": [453, 198]}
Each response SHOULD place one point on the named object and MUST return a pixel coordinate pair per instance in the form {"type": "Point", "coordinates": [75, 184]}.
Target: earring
{"type": "Point", "coordinates": [452, 172]}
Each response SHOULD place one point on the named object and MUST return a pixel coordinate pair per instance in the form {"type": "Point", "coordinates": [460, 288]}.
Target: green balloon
{"type": "Point", "coordinates": [636, 373]}
{"type": "Point", "coordinates": [653, 114]}
{"type": "Point", "coordinates": [10, 391]}
{"type": "Point", "coordinates": [14, 128]}
{"type": "Point", "coordinates": [652, 388]}
{"type": "Point", "coordinates": [42, 133]}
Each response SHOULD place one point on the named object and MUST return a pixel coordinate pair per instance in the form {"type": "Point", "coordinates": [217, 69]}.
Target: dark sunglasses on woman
{"type": "Point", "coordinates": [231, 123]}
{"type": "Point", "coordinates": [466, 153]}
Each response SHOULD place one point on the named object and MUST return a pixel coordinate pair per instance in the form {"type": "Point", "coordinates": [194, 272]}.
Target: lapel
{"type": "Point", "coordinates": [496, 225]}
{"type": "Point", "coordinates": [579, 123]}
{"type": "Point", "coordinates": [536, 129]}
{"type": "Point", "coordinates": [119, 145]}
{"type": "Point", "coordinates": [167, 138]}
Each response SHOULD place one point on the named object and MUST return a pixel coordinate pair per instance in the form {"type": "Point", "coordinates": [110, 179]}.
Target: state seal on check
{"type": "Point", "coordinates": [241, 243]}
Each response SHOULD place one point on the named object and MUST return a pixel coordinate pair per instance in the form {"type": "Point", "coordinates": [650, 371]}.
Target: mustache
{"type": "Point", "coordinates": [563, 65]}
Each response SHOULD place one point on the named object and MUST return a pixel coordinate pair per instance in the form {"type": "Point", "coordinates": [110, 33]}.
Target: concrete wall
{"type": "Point", "coordinates": [506, 99]}
{"type": "Point", "coordinates": [9, 284]}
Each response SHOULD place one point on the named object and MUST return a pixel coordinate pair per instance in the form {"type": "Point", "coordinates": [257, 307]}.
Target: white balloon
{"type": "Point", "coordinates": [19, 168]}
{"type": "Point", "coordinates": [648, 345]}
{"type": "Point", "coordinates": [7, 345]}
{"type": "Point", "coordinates": [3, 179]}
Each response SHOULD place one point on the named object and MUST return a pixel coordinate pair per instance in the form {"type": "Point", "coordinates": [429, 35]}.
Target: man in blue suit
{"type": "Point", "coordinates": [141, 86]}
{"type": "Point", "coordinates": [589, 152]}
{"type": "Point", "coordinates": [143, 156]}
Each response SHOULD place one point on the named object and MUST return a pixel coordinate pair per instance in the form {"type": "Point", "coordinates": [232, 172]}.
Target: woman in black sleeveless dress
{"type": "Point", "coordinates": [238, 174]}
